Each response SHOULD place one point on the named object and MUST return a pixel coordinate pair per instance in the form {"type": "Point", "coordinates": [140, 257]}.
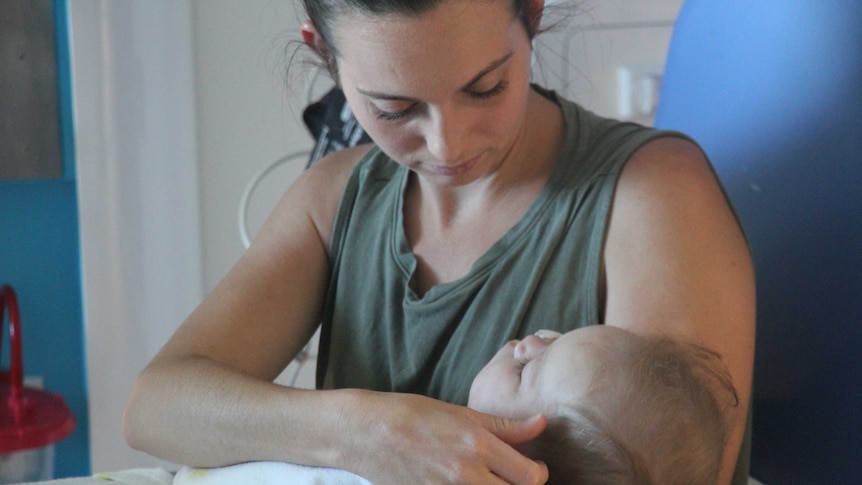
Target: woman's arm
{"type": "Point", "coordinates": [677, 264]}
{"type": "Point", "coordinates": [211, 383]}
{"type": "Point", "coordinates": [207, 398]}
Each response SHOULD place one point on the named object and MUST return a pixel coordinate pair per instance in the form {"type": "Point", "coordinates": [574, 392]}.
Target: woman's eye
{"type": "Point", "coordinates": [490, 93]}
{"type": "Point", "coordinates": [392, 115]}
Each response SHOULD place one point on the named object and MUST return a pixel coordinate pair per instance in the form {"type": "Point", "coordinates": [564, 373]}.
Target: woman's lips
{"type": "Point", "coordinates": [453, 170]}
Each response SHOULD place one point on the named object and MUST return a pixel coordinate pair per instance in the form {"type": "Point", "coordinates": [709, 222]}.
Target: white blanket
{"type": "Point", "coordinates": [137, 476]}
{"type": "Point", "coordinates": [267, 473]}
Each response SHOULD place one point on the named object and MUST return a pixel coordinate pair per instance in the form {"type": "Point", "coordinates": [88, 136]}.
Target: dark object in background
{"type": "Point", "coordinates": [29, 106]}
{"type": "Point", "coordinates": [332, 125]}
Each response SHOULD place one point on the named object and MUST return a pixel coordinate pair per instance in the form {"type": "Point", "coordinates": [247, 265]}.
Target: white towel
{"type": "Point", "coordinates": [267, 473]}
{"type": "Point", "coordinates": [136, 476]}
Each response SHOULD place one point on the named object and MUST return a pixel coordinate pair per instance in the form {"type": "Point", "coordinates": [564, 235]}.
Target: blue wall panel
{"type": "Point", "coordinates": [772, 90]}
{"type": "Point", "coordinates": [40, 257]}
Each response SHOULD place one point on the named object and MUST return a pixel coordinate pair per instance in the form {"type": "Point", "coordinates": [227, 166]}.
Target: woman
{"type": "Point", "coordinates": [487, 209]}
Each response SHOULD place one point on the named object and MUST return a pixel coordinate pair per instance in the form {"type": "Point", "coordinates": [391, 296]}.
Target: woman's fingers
{"type": "Point", "coordinates": [429, 441]}
{"type": "Point", "coordinates": [519, 470]}
{"type": "Point", "coordinates": [506, 462]}
{"type": "Point", "coordinates": [514, 431]}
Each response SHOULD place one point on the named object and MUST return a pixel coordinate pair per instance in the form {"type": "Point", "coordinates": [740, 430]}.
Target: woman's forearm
{"type": "Point", "coordinates": [198, 412]}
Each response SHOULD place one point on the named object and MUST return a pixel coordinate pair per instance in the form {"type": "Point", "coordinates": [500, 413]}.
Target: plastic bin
{"type": "Point", "coordinates": [31, 420]}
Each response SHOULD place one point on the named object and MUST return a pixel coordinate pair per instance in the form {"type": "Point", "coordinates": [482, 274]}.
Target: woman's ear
{"type": "Point", "coordinates": [312, 38]}
{"type": "Point", "coordinates": [535, 9]}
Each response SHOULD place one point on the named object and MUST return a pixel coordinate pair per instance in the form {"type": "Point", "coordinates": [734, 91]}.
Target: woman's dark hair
{"type": "Point", "coordinates": [323, 12]}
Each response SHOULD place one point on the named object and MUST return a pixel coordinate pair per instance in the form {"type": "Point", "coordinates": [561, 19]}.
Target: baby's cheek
{"type": "Point", "coordinates": [484, 395]}
{"type": "Point", "coordinates": [491, 397]}
{"type": "Point", "coordinates": [474, 400]}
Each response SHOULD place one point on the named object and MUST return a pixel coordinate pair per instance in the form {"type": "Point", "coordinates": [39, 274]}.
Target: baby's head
{"type": "Point", "coordinates": [621, 408]}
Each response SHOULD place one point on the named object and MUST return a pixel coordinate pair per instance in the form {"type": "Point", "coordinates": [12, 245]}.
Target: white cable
{"type": "Point", "coordinates": [252, 185]}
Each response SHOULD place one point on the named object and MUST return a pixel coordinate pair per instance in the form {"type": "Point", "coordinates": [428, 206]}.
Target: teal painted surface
{"type": "Point", "coordinates": [64, 80]}
{"type": "Point", "coordinates": [40, 257]}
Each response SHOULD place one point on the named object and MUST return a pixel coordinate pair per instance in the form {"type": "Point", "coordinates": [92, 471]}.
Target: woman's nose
{"type": "Point", "coordinates": [530, 348]}
{"type": "Point", "coordinates": [445, 136]}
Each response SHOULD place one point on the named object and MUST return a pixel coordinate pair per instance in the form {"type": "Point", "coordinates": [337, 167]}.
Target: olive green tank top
{"type": "Point", "coordinates": [544, 273]}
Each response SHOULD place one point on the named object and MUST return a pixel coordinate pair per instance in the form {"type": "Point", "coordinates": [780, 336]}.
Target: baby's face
{"type": "Point", "coordinates": [537, 375]}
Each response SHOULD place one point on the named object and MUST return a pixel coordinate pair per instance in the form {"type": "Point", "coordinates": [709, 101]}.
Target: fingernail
{"type": "Point", "coordinates": [536, 417]}
{"type": "Point", "coordinates": [547, 334]}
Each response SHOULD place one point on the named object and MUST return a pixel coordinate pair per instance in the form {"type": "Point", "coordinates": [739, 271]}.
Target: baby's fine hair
{"type": "Point", "coordinates": [657, 413]}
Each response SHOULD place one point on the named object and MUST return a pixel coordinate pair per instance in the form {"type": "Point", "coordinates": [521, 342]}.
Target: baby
{"type": "Point", "coordinates": [622, 409]}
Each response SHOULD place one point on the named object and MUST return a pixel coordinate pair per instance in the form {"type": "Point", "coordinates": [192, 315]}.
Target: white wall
{"type": "Point", "coordinates": [169, 96]}
{"type": "Point", "coordinates": [581, 60]}
{"type": "Point", "coordinates": [247, 116]}
{"type": "Point", "coordinates": [178, 104]}
{"type": "Point", "coordinates": [136, 155]}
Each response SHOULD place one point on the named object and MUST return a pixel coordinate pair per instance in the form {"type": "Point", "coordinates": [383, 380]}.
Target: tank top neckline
{"type": "Point", "coordinates": [403, 253]}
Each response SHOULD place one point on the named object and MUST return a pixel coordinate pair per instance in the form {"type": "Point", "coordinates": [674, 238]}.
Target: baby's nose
{"type": "Point", "coordinates": [529, 348]}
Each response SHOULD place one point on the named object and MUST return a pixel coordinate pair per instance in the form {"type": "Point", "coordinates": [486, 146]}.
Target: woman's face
{"type": "Point", "coordinates": [443, 93]}
{"type": "Point", "coordinates": [537, 375]}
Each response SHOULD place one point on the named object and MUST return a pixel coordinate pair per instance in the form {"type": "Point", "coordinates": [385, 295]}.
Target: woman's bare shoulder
{"type": "Point", "coordinates": [663, 163]}
{"type": "Point", "coordinates": [337, 165]}
{"type": "Point", "coordinates": [320, 187]}
{"type": "Point", "coordinates": [676, 261]}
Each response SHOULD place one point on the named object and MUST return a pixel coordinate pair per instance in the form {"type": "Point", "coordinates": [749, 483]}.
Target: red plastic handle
{"type": "Point", "coordinates": [29, 418]}
{"type": "Point", "coordinates": [16, 372]}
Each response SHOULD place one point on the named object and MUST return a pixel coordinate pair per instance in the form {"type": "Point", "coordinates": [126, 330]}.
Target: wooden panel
{"type": "Point", "coordinates": [29, 110]}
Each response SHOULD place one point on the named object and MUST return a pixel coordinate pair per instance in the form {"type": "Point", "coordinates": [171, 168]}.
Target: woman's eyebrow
{"type": "Point", "coordinates": [491, 67]}
{"type": "Point", "coordinates": [384, 96]}
{"type": "Point", "coordinates": [394, 97]}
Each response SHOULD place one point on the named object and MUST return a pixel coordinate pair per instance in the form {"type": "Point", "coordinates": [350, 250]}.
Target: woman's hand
{"type": "Point", "coordinates": [410, 439]}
